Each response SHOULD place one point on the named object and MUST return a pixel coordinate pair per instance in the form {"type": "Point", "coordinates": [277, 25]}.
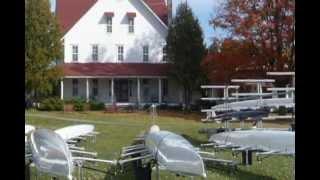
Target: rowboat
{"type": "Point", "coordinates": [175, 153]}
{"type": "Point", "coordinates": [50, 153]}
{"type": "Point", "coordinates": [74, 131]}
{"type": "Point", "coordinates": [259, 139]}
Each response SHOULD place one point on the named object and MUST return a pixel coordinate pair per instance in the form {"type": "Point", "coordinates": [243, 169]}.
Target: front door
{"type": "Point", "coordinates": [121, 90]}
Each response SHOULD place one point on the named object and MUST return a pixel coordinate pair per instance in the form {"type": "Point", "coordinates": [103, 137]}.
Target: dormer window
{"type": "Point", "coordinates": [109, 24]}
{"type": "Point", "coordinates": [95, 52]}
{"type": "Point", "coordinates": [131, 25]}
{"type": "Point", "coordinates": [109, 16]}
{"type": "Point", "coordinates": [131, 16]}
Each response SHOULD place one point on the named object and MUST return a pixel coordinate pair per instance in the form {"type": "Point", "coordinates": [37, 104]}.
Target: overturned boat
{"type": "Point", "coordinates": [74, 131]}
{"type": "Point", "coordinates": [174, 153]}
{"type": "Point", "coordinates": [275, 141]}
{"type": "Point", "coordinates": [50, 153]}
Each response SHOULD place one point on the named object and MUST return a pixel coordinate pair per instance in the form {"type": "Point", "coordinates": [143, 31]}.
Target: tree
{"type": "Point", "coordinates": [267, 24]}
{"type": "Point", "coordinates": [186, 51]}
{"type": "Point", "coordinates": [42, 49]}
{"type": "Point", "coordinates": [233, 57]}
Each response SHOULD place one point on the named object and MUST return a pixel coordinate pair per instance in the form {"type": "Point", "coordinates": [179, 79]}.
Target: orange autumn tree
{"type": "Point", "coordinates": [231, 58]}
{"type": "Point", "coordinates": [268, 25]}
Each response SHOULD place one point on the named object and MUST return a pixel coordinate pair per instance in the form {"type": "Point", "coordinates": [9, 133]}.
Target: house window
{"type": "Point", "coordinates": [130, 88]}
{"type": "Point", "coordinates": [131, 24]}
{"type": "Point", "coordinates": [95, 87]}
{"type": "Point", "coordinates": [75, 87]}
{"type": "Point", "coordinates": [109, 24]}
{"type": "Point", "coordinates": [145, 53]}
{"type": "Point", "coordinates": [145, 81]}
{"type": "Point", "coordinates": [164, 87]}
{"type": "Point", "coordinates": [146, 92]}
{"type": "Point", "coordinates": [74, 53]}
{"type": "Point", "coordinates": [109, 84]}
{"type": "Point", "coordinates": [120, 53]}
{"type": "Point", "coordinates": [164, 54]}
{"type": "Point", "coordinates": [95, 52]}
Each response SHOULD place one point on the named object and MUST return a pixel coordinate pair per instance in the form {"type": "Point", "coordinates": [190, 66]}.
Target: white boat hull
{"type": "Point", "coordinates": [50, 153]}
{"type": "Point", "coordinates": [265, 140]}
{"type": "Point", "coordinates": [175, 153]}
{"type": "Point", "coordinates": [74, 131]}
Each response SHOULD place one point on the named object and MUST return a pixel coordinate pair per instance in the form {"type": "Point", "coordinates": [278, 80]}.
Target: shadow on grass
{"type": "Point", "coordinates": [239, 174]}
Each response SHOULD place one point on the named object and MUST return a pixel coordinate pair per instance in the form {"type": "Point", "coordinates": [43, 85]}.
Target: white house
{"type": "Point", "coordinates": [114, 51]}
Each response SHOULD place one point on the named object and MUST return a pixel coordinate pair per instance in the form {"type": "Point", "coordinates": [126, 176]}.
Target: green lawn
{"type": "Point", "coordinates": [118, 130]}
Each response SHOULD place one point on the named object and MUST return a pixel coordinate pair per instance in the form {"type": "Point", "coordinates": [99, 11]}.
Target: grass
{"type": "Point", "coordinates": [119, 129]}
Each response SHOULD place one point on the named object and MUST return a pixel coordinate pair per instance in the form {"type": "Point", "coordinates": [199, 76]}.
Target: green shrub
{"type": "Point", "coordinates": [96, 106]}
{"type": "Point", "coordinates": [78, 104]}
{"type": "Point", "coordinates": [51, 104]}
{"type": "Point", "coordinates": [163, 107]}
{"type": "Point", "coordinates": [282, 110]}
{"type": "Point", "coordinates": [177, 107]}
{"type": "Point", "coordinates": [69, 101]}
{"type": "Point", "coordinates": [146, 107]}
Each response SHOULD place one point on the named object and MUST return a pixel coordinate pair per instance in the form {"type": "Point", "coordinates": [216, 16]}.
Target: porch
{"type": "Point", "coordinates": [120, 90]}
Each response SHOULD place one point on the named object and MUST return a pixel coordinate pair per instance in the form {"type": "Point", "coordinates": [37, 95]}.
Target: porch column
{"type": "Point", "coordinates": [259, 87]}
{"type": "Point", "coordinates": [61, 89]}
{"type": "Point", "coordinates": [112, 90]}
{"type": "Point", "coordinates": [159, 91]}
{"type": "Point", "coordinates": [87, 90]}
{"type": "Point", "coordinates": [287, 93]}
{"type": "Point", "coordinates": [237, 96]}
{"type": "Point", "coordinates": [225, 92]}
{"type": "Point", "coordinates": [293, 81]}
{"type": "Point", "coordinates": [138, 91]}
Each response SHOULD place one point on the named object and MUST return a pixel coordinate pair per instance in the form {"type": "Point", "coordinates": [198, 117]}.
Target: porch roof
{"type": "Point", "coordinates": [115, 69]}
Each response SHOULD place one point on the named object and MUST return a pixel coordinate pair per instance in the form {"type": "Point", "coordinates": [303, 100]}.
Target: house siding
{"type": "Point", "coordinates": [91, 29]}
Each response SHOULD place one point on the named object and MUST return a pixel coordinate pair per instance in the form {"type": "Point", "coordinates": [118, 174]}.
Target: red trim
{"type": "Point", "coordinates": [115, 69]}
{"type": "Point", "coordinates": [131, 14]}
{"type": "Point", "coordinates": [109, 14]}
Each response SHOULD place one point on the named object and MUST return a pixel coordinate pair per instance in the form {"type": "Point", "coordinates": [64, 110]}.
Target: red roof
{"type": "Point", "coordinates": [70, 11]}
{"type": "Point", "coordinates": [159, 8]}
{"type": "Point", "coordinates": [115, 69]}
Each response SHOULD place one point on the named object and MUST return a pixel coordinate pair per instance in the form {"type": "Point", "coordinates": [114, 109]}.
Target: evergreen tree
{"type": "Point", "coordinates": [43, 49]}
{"type": "Point", "coordinates": [186, 51]}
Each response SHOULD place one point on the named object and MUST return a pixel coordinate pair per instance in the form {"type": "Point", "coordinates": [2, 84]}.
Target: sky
{"type": "Point", "coordinates": [203, 10]}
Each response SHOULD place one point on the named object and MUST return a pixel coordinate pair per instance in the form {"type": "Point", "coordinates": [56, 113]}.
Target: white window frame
{"type": "Point", "coordinates": [95, 52]}
{"type": "Point", "coordinates": [120, 53]}
{"type": "Point", "coordinates": [165, 53]}
{"type": "Point", "coordinates": [109, 24]}
{"type": "Point", "coordinates": [75, 55]}
{"type": "Point", "coordinates": [145, 53]}
{"type": "Point", "coordinates": [131, 24]}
